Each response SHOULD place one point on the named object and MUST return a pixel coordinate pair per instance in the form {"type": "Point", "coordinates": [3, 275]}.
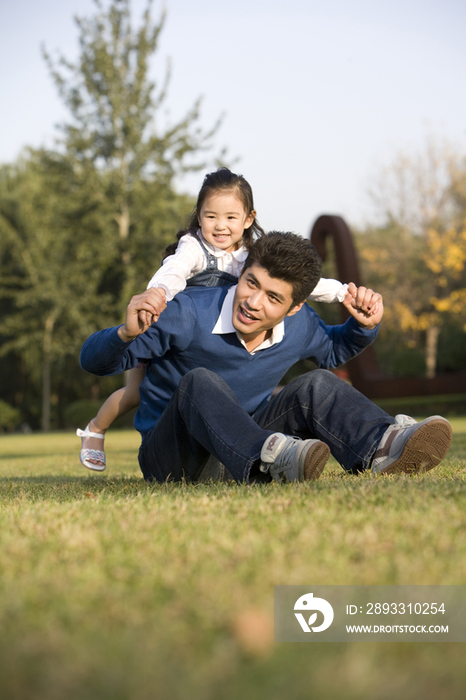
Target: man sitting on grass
{"type": "Point", "coordinates": [217, 354]}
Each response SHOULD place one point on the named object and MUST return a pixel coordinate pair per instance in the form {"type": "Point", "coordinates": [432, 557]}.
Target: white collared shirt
{"type": "Point", "coordinates": [189, 259]}
{"type": "Point", "coordinates": [225, 324]}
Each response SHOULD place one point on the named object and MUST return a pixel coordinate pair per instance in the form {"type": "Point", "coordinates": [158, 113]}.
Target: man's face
{"type": "Point", "coordinates": [260, 303]}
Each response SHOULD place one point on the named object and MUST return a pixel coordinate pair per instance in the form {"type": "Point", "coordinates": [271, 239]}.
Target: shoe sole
{"type": "Point", "coordinates": [91, 465]}
{"type": "Point", "coordinates": [424, 450]}
{"type": "Point", "coordinates": [315, 460]}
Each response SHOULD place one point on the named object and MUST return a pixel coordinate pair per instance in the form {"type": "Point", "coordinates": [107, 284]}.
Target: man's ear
{"type": "Point", "coordinates": [294, 309]}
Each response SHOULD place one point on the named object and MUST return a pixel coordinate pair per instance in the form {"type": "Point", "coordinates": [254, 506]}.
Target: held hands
{"type": "Point", "coordinates": [146, 317]}
{"type": "Point", "coordinates": [143, 310]}
{"type": "Point", "coordinates": [364, 304]}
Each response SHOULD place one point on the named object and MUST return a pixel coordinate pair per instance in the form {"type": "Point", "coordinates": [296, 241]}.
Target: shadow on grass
{"type": "Point", "coordinates": [55, 453]}
{"type": "Point", "coordinates": [87, 479]}
{"type": "Point", "coordinates": [66, 488]}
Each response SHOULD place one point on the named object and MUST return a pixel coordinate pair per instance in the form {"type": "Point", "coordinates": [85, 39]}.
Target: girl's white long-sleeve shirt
{"type": "Point", "coordinates": [189, 259]}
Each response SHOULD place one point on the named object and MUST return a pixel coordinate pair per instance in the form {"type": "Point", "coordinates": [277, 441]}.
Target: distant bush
{"type": "Point", "coordinates": [79, 413]}
{"type": "Point", "coordinates": [9, 416]}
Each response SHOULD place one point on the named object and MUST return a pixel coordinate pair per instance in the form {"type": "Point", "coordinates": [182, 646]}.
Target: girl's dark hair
{"type": "Point", "coordinates": [289, 257]}
{"type": "Point", "coordinates": [222, 180]}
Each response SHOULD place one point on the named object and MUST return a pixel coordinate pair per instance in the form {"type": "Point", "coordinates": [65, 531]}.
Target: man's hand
{"type": "Point", "coordinates": [364, 304]}
{"type": "Point", "coordinates": [147, 318]}
{"type": "Point", "coordinates": [140, 312]}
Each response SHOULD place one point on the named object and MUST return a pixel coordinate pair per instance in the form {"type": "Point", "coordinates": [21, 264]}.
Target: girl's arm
{"type": "Point", "coordinates": [328, 291]}
{"type": "Point", "coordinates": [187, 261]}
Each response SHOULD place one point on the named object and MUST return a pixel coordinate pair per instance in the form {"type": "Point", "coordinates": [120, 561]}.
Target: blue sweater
{"type": "Point", "coordinates": [182, 340]}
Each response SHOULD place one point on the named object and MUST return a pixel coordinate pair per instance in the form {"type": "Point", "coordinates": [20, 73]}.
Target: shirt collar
{"type": "Point", "coordinates": [225, 324]}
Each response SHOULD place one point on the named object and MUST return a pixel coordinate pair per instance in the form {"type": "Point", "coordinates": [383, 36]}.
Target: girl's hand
{"type": "Point", "coordinates": [141, 312]}
{"type": "Point", "coordinates": [364, 299]}
{"type": "Point", "coordinates": [147, 318]}
{"type": "Point", "coordinates": [365, 305]}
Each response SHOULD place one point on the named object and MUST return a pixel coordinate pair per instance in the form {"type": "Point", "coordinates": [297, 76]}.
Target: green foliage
{"type": "Point", "coordinates": [50, 279]}
{"type": "Point", "coordinates": [83, 226]}
{"type": "Point", "coordinates": [79, 413]}
{"type": "Point", "coordinates": [9, 416]}
{"type": "Point", "coordinates": [116, 143]}
{"type": "Point", "coordinates": [50, 250]}
{"type": "Point", "coordinates": [113, 588]}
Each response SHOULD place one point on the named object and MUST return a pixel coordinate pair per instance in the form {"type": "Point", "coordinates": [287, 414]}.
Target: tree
{"type": "Point", "coordinates": [420, 249]}
{"type": "Point", "coordinates": [83, 225]}
{"type": "Point", "coordinates": [49, 276]}
{"type": "Point", "coordinates": [112, 138]}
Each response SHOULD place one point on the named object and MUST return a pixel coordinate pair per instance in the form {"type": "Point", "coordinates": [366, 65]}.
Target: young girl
{"type": "Point", "coordinates": [209, 252]}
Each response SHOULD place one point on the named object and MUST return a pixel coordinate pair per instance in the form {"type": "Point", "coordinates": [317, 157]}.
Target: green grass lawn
{"type": "Point", "coordinates": [114, 589]}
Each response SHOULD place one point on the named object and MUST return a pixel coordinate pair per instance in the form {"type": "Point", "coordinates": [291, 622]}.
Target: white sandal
{"type": "Point", "coordinates": [87, 454]}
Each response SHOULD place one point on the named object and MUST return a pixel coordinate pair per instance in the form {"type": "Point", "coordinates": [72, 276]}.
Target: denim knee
{"type": "Point", "coordinates": [323, 377]}
{"type": "Point", "coordinates": [317, 380]}
{"type": "Point", "coordinates": [200, 376]}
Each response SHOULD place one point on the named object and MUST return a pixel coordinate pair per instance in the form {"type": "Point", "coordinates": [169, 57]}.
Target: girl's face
{"type": "Point", "coordinates": [223, 219]}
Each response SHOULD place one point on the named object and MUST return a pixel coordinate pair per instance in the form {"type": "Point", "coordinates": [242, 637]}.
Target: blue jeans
{"type": "Point", "coordinates": [204, 417]}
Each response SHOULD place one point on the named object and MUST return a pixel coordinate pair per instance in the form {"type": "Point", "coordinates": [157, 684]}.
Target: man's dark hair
{"type": "Point", "coordinates": [288, 257]}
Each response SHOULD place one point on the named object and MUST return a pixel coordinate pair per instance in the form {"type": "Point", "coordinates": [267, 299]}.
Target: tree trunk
{"type": "Point", "coordinates": [47, 373]}
{"type": "Point", "coordinates": [432, 335]}
{"type": "Point", "coordinates": [123, 220]}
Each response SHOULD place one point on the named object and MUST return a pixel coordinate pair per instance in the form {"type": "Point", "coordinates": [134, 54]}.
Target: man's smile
{"type": "Point", "coordinates": [245, 316]}
{"type": "Point", "coordinates": [261, 302]}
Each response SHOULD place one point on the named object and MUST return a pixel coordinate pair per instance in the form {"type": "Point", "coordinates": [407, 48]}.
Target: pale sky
{"type": "Point", "coordinates": [318, 95]}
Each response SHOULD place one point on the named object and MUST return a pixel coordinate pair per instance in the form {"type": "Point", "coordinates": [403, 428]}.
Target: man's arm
{"type": "Point", "coordinates": [112, 351]}
{"type": "Point", "coordinates": [332, 346]}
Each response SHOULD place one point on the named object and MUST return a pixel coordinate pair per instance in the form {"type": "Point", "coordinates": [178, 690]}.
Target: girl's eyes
{"type": "Point", "coordinates": [211, 216]}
